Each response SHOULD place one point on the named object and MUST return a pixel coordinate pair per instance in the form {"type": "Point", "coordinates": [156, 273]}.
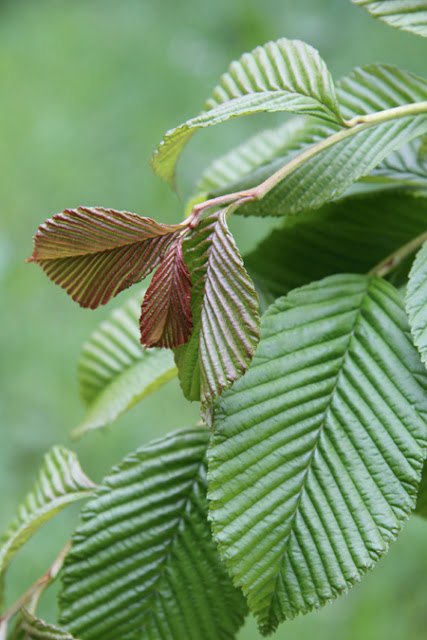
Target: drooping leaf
{"type": "Point", "coordinates": [331, 172]}
{"type": "Point", "coordinates": [317, 451]}
{"type": "Point", "coordinates": [287, 75]}
{"type": "Point", "coordinates": [410, 15]}
{"type": "Point", "coordinates": [60, 481]}
{"type": "Point", "coordinates": [37, 629]}
{"type": "Point", "coordinates": [416, 300]}
{"type": "Point", "coordinates": [225, 312]}
{"type": "Point", "coordinates": [166, 319]}
{"type": "Point", "coordinates": [95, 253]}
{"type": "Point", "coordinates": [115, 372]}
{"type": "Point", "coordinates": [143, 563]}
{"type": "Point", "coordinates": [350, 235]}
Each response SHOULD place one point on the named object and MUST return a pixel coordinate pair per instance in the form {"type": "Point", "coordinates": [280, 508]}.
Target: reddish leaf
{"type": "Point", "coordinates": [166, 319]}
{"type": "Point", "coordinates": [95, 253]}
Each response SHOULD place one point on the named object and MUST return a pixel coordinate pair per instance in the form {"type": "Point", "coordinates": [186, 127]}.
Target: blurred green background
{"type": "Point", "coordinates": [87, 90]}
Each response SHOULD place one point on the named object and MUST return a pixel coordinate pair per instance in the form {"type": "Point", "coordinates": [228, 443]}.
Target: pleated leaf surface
{"type": "Point", "coordinates": [94, 253]}
{"type": "Point", "coordinates": [166, 319]}
{"type": "Point", "coordinates": [143, 563]}
{"type": "Point", "coordinates": [416, 301]}
{"type": "Point", "coordinates": [333, 170]}
{"type": "Point", "coordinates": [406, 165]}
{"type": "Point", "coordinates": [114, 372]}
{"type": "Point", "coordinates": [225, 313]}
{"type": "Point", "coordinates": [59, 482]}
{"type": "Point", "coordinates": [287, 75]}
{"type": "Point", "coordinates": [350, 235]}
{"type": "Point", "coordinates": [410, 15]}
{"type": "Point", "coordinates": [317, 451]}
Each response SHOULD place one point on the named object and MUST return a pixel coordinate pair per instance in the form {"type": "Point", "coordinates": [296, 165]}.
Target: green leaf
{"type": "Point", "coordinates": [287, 75]}
{"type": "Point", "coordinates": [333, 170]}
{"type": "Point", "coordinates": [416, 300]}
{"type": "Point", "coordinates": [421, 508]}
{"type": "Point", "coordinates": [37, 629]}
{"type": "Point", "coordinates": [317, 451]}
{"type": "Point", "coordinates": [114, 372]}
{"type": "Point", "coordinates": [410, 15]}
{"type": "Point", "coordinates": [166, 319]}
{"type": "Point", "coordinates": [406, 165]}
{"type": "Point", "coordinates": [248, 157]}
{"type": "Point", "coordinates": [143, 563]}
{"type": "Point", "coordinates": [351, 235]}
{"type": "Point", "coordinates": [95, 253]}
{"type": "Point", "coordinates": [225, 313]}
{"type": "Point", "coordinates": [60, 481]}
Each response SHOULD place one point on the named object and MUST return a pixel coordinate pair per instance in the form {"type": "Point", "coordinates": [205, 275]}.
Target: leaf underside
{"type": "Point", "coordinates": [143, 563]}
{"type": "Point", "coordinates": [60, 481]}
{"type": "Point", "coordinates": [94, 253]}
{"type": "Point", "coordinates": [225, 313]}
{"type": "Point", "coordinates": [287, 75]}
{"type": "Point", "coordinates": [114, 372]}
{"type": "Point", "coordinates": [350, 235]}
{"type": "Point", "coordinates": [37, 629]}
{"type": "Point", "coordinates": [410, 15]}
{"type": "Point", "coordinates": [317, 452]}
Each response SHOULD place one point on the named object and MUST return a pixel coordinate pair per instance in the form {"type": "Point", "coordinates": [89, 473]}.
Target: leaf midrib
{"type": "Point", "coordinates": [315, 446]}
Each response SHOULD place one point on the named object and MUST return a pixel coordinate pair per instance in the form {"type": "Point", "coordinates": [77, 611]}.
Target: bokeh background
{"type": "Point", "coordinates": [87, 90]}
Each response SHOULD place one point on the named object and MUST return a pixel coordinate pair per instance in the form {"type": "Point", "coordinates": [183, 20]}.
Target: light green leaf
{"type": "Point", "coordinates": [143, 563]}
{"type": "Point", "coordinates": [317, 451]}
{"type": "Point", "coordinates": [60, 481]}
{"type": "Point", "coordinates": [350, 235]}
{"type": "Point", "coordinates": [287, 75]}
{"type": "Point", "coordinates": [406, 165]}
{"type": "Point", "coordinates": [410, 15]}
{"type": "Point", "coordinates": [331, 172]}
{"type": "Point", "coordinates": [416, 300]}
{"type": "Point", "coordinates": [225, 313]}
{"type": "Point", "coordinates": [37, 629]}
{"type": "Point", "coordinates": [114, 372]}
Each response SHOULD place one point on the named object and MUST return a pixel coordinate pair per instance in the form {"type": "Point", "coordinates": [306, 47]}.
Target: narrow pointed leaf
{"type": "Point", "coordinates": [37, 629]}
{"type": "Point", "coordinates": [115, 372]}
{"type": "Point", "coordinates": [318, 450]}
{"type": "Point", "coordinates": [225, 312]}
{"type": "Point", "coordinates": [416, 301]}
{"type": "Point", "coordinates": [143, 563]}
{"type": "Point", "coordinates": [60, 481]}
{"type": "Point", "coordinates": [166, 314]}
{"type": "Point", "coordinates": [331, 172]}
{"type": "Point", "coordinates": [410, 15]}
{"type": "Point", "coordinates": [287, 75]}
{"type": "Point", "coordinates": [351, 235]}
{"type": "Point", "coordinates": [95, 253]}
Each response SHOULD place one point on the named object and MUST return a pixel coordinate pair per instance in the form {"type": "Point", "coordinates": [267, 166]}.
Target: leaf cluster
{"type": "Point", "coordinates": [308, 357]}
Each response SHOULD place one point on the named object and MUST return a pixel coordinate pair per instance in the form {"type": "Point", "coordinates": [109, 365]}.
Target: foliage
{"type": "Point", "coordinates": [310, 454]}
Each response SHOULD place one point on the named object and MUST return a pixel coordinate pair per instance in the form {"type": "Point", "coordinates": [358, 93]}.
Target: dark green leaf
{"type": "Point", "coordinates": [318, 450]}
{"type": "Point", "coordinates": [416, 300]}
{"type": "Point", "coordinates": [351, 235]}
{"type": "Point", "coordinates": [143, 563]}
